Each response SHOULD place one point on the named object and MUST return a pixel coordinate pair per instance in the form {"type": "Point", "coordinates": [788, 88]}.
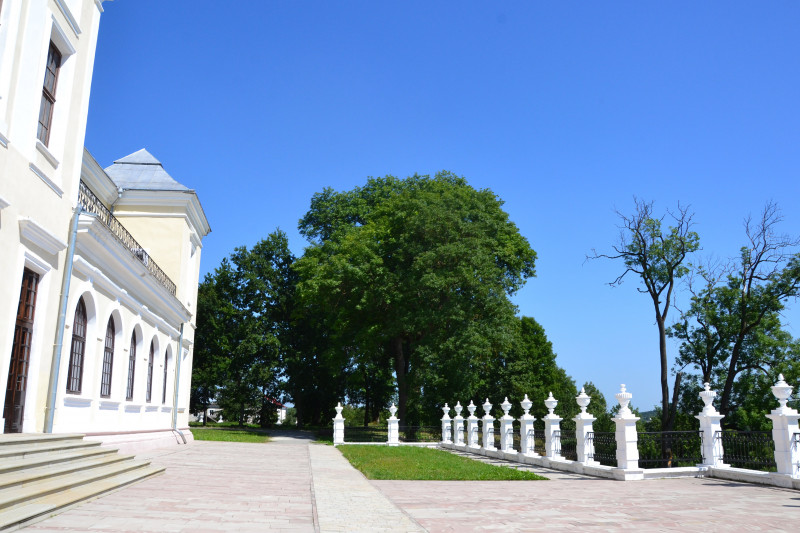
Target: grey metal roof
{"type": "Point", "coordinates": [140, 170]}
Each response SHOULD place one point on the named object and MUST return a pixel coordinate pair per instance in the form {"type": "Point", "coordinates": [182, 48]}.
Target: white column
{"type": "Point", "coordinates": [583, 426]}
{"type": "Point", "coordinates": [552, 424]}
{"type": "Point", "coordinates": [627, 437]}
{"type": "Point", "coordinates": [710, 424]}
{"type": "Point", "coordinates": [506, 428]}
{"type": "Point", "coordinates": [446, 425]}
{"type": "Point", "coordinates": [526, 440]}
{"type": "Point", "coordinates": [784, 426]}
{"type": "Point", "coordinates": [488, 427]}
{"type": "Point", "coordinates": [394, 428]}
{"type": "Point", "coordinates": [458, 425]}
{"type": "Point", "coordinates": [472, 427]}
{"type": "Point", "coordinates": [338, 426]}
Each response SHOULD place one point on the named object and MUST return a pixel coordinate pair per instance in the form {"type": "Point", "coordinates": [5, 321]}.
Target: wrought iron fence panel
{"type": "Point", "coordinates": [91, 203]}
{"type": "Point", "coordinates": [567, 445]}
{"type": "Point", "coordinates": [748, 449]}
{"type": "Point", "coordinates": [669, 449]}
{"type": "Point", "coordinates": [604, 446]}
{"type": "Point", "coordinates": [420, 433]}
{"type": "Point", "coordinates": [795, 447]}
{"type": "Point", "coordinates": [538, 441]}
{"type": "Point", "coordinates": [366, 434]}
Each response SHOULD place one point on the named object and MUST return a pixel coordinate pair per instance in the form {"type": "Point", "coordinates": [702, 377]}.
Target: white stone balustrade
{"type": "Point", "coordinates": [583, 426]}
{"type": "Point", "coordinates": [710, 425]}
{"type": "Point", "coordinates": [784, 426]}
{"type": "Point", "coordinates": [552, 429]}
{"type": "Point", "coordinates": [393, 428]}
{"type": "Point", "coordinates": [506, 428]}
{"type": "Point", "coordinates": [627, 437]}
{"type": "Point", "coordinates": [472, 427]}
{"type": "Point", "coordinates": [446, 425]}
{"type": "Point", "coordinates": [488, 427]}
{"type": "Point", "coordinates": [458, 425]}
{"type": "Point", "coordinates": [338, 426]}
{"type": "Point", "coordinates": [526, 439]}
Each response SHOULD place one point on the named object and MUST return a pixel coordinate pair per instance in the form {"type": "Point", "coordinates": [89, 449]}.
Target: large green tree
{"type": "Point", "coordinates": [733, 324]}
{"type": "Point", "coordinates": [243, 329]}
{"type": "Point", "coordinates": [658, 258]}
{"type": "Point", "coordinates": [418, 271]}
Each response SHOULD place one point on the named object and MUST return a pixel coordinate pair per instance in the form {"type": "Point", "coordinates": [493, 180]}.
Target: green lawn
{"type": "Point", "coordinates": [229, 434]}
{"type": "Point", "coordinates": [415, 463]}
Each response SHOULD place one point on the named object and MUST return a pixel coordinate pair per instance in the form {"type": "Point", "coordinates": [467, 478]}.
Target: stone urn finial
{"type": "Point", "coordinates": [526, 405]}
{"type": "Point", "coordinates": [458, 408]}
{"type": "Point", "coordinates": [583, 400]}
{"type": "Point", "coordinates": [338, 410]}
{"type": "Point", "coordinates": [624, 398]}
{"type": "Point", "coordinates": [392, 410]}
{"type": "Point", "coordinates": [782, 390]}
{"type": "Point", "coordinates": [505, 406]}
{"type": "Point", "coordinates": [550, 403]}
{"type": "Point", "coordinates": [487, 407]}
{"type": "Point", "coordinates": [471, 408]}
{"type": "Point", "coordinates": [446, 410]}
{"type": "Point", "coordinates": [708, 395]}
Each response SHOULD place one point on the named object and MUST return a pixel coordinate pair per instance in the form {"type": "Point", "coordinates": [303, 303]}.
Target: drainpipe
{"type": "Point", "coordinates": [52, 388]}
{"type": "Point", "coordinates": [177, 386]}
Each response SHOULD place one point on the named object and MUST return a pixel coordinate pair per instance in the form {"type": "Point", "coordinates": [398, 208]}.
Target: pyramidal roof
{"type": "Point", "coordinates": [140, 170]}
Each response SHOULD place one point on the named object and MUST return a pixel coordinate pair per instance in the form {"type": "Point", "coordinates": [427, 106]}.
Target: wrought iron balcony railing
{"type": "Point", "coordinates": [89, 202]}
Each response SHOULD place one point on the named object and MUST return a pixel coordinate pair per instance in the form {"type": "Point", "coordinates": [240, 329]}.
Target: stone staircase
{"type": "Point", "coordinates": [41, 474]}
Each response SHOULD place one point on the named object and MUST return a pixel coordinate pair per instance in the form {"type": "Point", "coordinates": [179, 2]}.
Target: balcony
{"type": "Point", "coordinates": [90, 203]}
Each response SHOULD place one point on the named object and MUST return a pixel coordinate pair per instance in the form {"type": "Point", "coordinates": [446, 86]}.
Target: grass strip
{"type": "Point", "coordinates": [229, 435]}
{"type": "Point", "coordinates": [416, 463]}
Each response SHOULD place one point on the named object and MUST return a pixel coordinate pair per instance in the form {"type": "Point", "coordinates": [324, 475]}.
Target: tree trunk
{"type": "Point", "coordinates": [725, 402]}
{"type": "Point", "coordinates": [667, 421]}
{"type": "Point", "coordinates": [396, 348]}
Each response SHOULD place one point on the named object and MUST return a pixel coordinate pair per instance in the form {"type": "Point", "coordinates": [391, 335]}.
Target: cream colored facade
{"type": "Point", "coordinates": [136, 270]}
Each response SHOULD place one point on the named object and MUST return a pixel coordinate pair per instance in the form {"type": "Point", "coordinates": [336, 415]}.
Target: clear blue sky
{"type": "Point", "coordinates": [566, 110]}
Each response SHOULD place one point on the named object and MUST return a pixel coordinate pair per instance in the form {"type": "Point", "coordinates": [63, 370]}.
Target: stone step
{"type": "Point", "coordinates": [20, 450]}
{"type": "Point", "coordinates": [47, 504]}
{"type": "Point", "coordinates": [19, 438]}
{"type": "Point", "coordinates": [13, 495]}
{"type": "Point", "coordinates": [43, 459]}
{"type": "Point", "coordinates": [52, 470]}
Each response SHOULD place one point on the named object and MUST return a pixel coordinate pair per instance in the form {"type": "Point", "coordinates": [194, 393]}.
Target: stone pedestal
{"type": "Point", "coordinates": [394, 428]}
{"type": "Point", "coordinates": [488, 427]}
{"type": "Point", "coordinates": [526, 439]}
{"type": "Point", "coordinates": [506, 428]}
{"type": "Point", "coordinates": [458, 425]}
{"type": "Point", "coordinates": [446, 425]}
{"type": "Point", "coordinates": [338, 426]}
{"type": "Point", "coordinates": [552, 430]}
{"type": "Point", "coordinates": [627, 438]}
{"type": "Point", "coordinates": [583, 426]}
{"type": "Point", "coordinates": [710, 425]}
{"type": "Point", "coordinates": [784, 427]}
{"type": "Point", "coordinates": [472, 427]}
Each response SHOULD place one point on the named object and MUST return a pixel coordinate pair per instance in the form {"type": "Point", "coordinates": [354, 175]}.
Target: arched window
{"type": "Point", "coordinates": [164, 393]}
{"type": "Point", "coordinates": [150, 372]}
{"type": "Point", "coordinates": [108, 361]}
{"type": "Point", "coordinates": [131, 367]}
{"type": "Point", "coordinates": [75, 372]}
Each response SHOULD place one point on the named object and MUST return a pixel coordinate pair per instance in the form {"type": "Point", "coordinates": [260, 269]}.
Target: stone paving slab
{"type": "Point", "coordinates": [685, 504]}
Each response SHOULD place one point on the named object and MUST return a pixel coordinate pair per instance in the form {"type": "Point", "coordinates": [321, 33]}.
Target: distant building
{"type": "Point", "coordinates": [98, 267]}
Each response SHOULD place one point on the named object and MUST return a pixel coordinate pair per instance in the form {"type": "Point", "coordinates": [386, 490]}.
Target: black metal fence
{"type": "Point", "coordinates": [91, 203]}
{"type": "Point", "coordinates": [748, 449]}
{"type": "Point", "coordinates": [603, 446]}
{"type": "Point", "coordinates": [566, 445]}
{"type": "Point", "coordinates": [421, 433]}
{"type": "Point", "coordinates": [669, 449]}
{"type": "Point", "coordinates": [366, 434]}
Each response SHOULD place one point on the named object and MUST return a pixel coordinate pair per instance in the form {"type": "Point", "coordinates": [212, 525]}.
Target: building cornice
{"type": "Point", "coordinates": [98, 181]}
{"type": "Point", "coordinates": [33, 233]}
{"type": "Point", "coordinates": [187, 201]}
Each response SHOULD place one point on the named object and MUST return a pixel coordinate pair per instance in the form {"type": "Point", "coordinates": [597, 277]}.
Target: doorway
{"type": "Point", "coordinates": [14, 407]}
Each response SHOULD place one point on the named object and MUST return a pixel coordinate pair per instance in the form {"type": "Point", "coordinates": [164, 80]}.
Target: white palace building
{"type": "Point", "coordinates": [98, 267]}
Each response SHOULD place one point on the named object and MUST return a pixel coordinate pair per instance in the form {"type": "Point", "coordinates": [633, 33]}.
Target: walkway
{"type": "Point", "coordinates": [292, 484]}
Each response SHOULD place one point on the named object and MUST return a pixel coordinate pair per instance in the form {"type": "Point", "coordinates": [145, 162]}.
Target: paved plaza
{"type": "Point", "coordinates": [293, 484]}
